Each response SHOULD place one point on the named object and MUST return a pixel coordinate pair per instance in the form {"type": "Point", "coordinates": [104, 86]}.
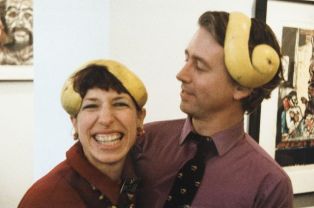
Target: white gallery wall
{"type": "Point", "coordinates": [16, 140]}
{"type": "Point", "coordinates": [66, 34]}
{"type": "Point", "coordinates": [148, 36]}
{"type": "Point", "coordinates": [35, 131]}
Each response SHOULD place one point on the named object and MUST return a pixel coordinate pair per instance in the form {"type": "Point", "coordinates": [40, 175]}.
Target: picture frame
{"type": "Point", "coordinates": [294, 14]}
{"type": "Point", "coordinates": [16, 73]}
{"type": "Point", "coordinates": [16, 40]}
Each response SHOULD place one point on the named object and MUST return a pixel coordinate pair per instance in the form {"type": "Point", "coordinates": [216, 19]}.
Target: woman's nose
{"type": "Point", "coordinates": [106, 117]}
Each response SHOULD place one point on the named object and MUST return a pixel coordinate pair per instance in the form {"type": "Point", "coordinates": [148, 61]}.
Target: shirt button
{"type": "Point", "coordinates": [169, 198]}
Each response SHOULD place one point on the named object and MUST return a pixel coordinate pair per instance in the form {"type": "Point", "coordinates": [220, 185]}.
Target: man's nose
{"type": "Point", "coordinates": [184, 74]}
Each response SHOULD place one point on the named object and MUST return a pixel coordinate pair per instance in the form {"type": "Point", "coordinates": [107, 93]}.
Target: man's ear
{"type": "Point", "coordinates": [241, 92]}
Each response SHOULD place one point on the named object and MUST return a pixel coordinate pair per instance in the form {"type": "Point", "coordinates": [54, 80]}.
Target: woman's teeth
{"type": "Point", "coordinates": [108, 138]}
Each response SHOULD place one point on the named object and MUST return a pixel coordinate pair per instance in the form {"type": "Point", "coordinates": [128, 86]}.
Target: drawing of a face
{"type": "Point", "coordinates": [19, 20]}
{"type": "Point", "coordinates": [294, 100]}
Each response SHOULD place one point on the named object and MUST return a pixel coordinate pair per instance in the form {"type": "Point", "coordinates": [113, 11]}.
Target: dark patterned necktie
{"type": "Point", "coordinates": [190, 175]}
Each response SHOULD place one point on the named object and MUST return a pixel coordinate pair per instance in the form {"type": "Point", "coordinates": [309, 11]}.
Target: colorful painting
{"type": "Point", "coordinates": [295, 127]}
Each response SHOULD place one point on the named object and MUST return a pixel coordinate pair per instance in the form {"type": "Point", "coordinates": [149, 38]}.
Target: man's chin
{"type": "Point", "coordinates": [185, 109]}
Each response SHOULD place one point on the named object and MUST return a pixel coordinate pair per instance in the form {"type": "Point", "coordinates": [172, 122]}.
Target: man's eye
{"type": "Point", "coordinates": [200, 66]}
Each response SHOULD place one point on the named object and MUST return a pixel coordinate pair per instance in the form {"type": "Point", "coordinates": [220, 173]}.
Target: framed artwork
{"type": "Point", "coordinates": [16, 40]}
{"type": "Point", "coordinates": [287, 119]}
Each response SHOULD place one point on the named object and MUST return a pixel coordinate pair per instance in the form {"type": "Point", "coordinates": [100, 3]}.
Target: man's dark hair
{"type": "Point", "coordinates": [215, 22]}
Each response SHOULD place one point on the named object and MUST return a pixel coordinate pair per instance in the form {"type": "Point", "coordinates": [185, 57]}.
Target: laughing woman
{"type": "Point", "coordinates": [105, 102]}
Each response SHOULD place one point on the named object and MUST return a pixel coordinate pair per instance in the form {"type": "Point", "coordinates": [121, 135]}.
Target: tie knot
{"type": "Point", "coordinates": [205, 145]}
{"type": "Point", "coordinates": [199, 139]}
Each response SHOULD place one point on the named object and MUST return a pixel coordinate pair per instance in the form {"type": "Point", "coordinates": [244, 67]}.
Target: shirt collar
{"type": "Point", "coordinates": [226, 139]}
{"type": "Point", "coordinates": [187, 128]}
{"type": "Point", "coordinates": [111, 189]}
{"type": "Point", "coordinates": [223, 140]}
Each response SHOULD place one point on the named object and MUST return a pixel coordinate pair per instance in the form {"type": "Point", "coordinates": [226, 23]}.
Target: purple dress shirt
{"type": "Point", "coordinates": [241, 175]}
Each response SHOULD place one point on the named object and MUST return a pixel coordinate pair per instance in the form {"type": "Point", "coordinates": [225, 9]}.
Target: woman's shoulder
{"type": "Point", "coordinates": [51, 189]}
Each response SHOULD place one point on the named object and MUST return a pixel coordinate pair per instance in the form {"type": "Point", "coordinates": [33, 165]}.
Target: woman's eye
{"type": "Point", "coordinates": [121, 104]}
{"type": "Point", "coordinates": [89, 106]}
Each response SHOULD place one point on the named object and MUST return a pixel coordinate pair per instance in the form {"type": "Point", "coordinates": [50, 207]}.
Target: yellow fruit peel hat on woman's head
{"type": "Point", "coordinates": [71, 100]}
{"type": "Point", "coordinates": [265, 60]}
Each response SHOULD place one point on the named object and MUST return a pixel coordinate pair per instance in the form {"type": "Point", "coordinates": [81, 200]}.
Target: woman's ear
{"type": "Point", "coordinates": [140, 117]}
{"type": "Point", "coordinates": [241, 92]}
{"type": "Point", "coordinates": [140, 122]}
{"type": "Point", "coordinates": [74, 123]}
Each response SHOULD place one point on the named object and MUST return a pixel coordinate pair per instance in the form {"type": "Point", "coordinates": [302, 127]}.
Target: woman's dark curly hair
{"type": "Point", "coordinates": [94, 76]}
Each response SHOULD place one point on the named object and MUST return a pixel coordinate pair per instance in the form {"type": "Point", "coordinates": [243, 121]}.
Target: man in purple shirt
{"type": "Point", "coordinates": [219, 84]}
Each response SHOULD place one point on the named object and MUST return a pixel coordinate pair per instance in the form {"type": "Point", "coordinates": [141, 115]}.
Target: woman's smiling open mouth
{"type": "Point", "coordinates": [108, 138]}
